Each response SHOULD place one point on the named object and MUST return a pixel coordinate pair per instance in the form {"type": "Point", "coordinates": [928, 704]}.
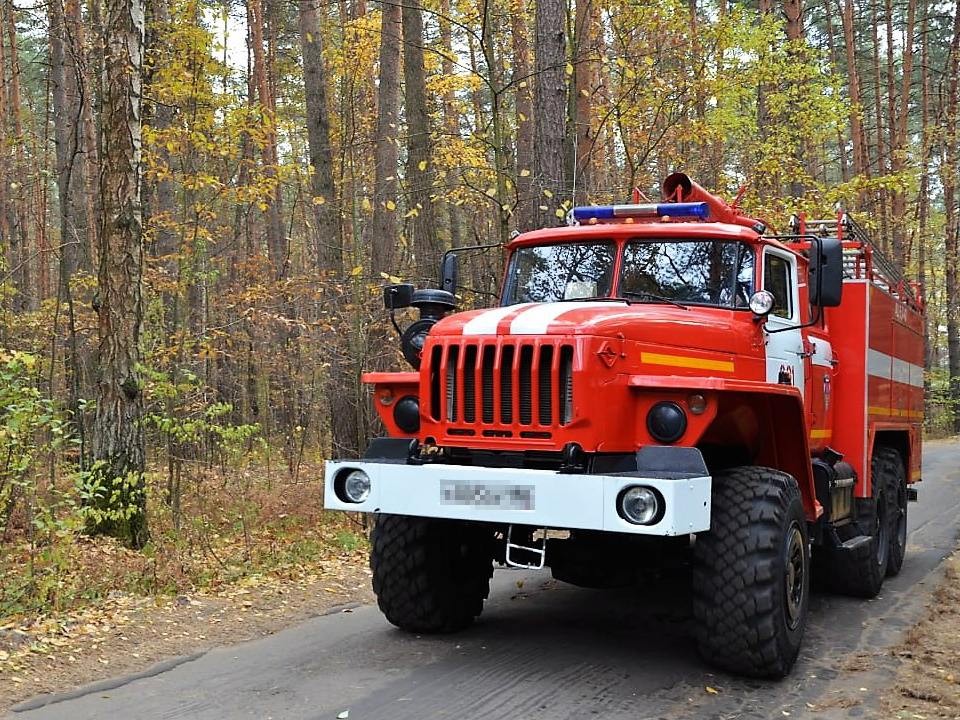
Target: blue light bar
{"type": "Point", "coordinates": [610, 212]}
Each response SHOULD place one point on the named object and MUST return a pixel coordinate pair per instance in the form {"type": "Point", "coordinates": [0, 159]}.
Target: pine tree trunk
{"type": "Point", "coordinates": [421, 228]}
{"type": "Point", "coordinates": [585, 37]}
{"type": "Point", "coordinates": [897, 204]}
{"type": "Point", "coordinates": [381, 235]}
{"type": "Point", "coordinates": [881, 209]}
{"type": "Point", "coordinates": [117, 476]}
{"type": "Point", "coordinates": [277, 244]}
{"type": "Point", "coordinates": [85, 190]}
{"type": "Point", "coordinates": [924, 199]}
{"type": "Point", "coordinates": [18, 211]}
{"type": "Point", "coordinates": [326, 208]}
{"type": "Point", "coordinates": [6, 241]}
{"type": "Point", "coordinates": [861, 162]}
{"type": "Point", "coordinates": [832, 49]}
{"type": "Point", "coordinates": [451, 120]}
{"type": "Point", "coordinates": [952, 241]}
{"type": "Point", "coordinates": [803, 153]}
{"type": "Point", "coordinates": [523, 81]}
{"type": "Point", "coordinates": [550, 111]}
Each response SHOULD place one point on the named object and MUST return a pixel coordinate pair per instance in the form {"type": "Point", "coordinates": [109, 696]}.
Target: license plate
{"type": "Point", "coordinates": [508, 497]}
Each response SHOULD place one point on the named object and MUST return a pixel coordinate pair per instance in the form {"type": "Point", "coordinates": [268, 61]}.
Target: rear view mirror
{"type": "Point", "coordinates": [397, 296]}
{"type": "Point", "coordinates": [449, 272]}
{"type": "Point", "coordinates": [826, 272]}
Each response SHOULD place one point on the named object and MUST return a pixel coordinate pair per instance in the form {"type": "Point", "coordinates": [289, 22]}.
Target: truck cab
{"type": "Point", "coordinates": [659, 380]}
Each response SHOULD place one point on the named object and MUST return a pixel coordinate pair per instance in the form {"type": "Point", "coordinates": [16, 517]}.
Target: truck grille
{"type": "Point", "coordinates": [500, 385]}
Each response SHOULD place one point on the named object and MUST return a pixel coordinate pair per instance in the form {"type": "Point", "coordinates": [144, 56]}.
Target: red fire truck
{"type": "Point", "coordinates": [659, 380]}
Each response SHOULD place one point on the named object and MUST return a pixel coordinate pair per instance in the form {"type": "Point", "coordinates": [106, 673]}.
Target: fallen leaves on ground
{"type": "Point", "coordinates": [926, 684]}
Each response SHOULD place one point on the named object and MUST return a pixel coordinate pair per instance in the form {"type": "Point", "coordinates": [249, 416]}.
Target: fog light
{"type": "Point", "coordinates": [640, 505]}
{"type": "Point", "coordinates": [354, 487]}
{"type": "Point", "coordinates": [666, 422]}
{"type": "Point", "coordinates": [406, 413]}
{"type": "Point", "coordinates": [697, 403]}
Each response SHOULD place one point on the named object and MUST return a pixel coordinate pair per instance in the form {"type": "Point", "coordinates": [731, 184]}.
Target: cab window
{"type": "Point", "coordinates": [568, 271]}
{"type": "Point", "coordinates": [776, 279]}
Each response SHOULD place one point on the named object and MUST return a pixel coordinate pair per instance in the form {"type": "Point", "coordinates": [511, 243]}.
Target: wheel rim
{"type": "Point", "coordinates": [882, 531]}
{"type": "Point", "coordinates": [902, 518]}
{"type": "Point", "coordinates": [795, 576]}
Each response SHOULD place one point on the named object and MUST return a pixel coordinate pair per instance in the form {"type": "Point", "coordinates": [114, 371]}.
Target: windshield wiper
{"type": "Point", "coordinates": [643, 295]}
{"type": "Point", "coordinates": [594, 298]}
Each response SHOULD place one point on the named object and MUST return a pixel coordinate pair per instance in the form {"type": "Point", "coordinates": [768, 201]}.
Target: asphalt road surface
{"type": "Point", "coordinates": [544, 650]}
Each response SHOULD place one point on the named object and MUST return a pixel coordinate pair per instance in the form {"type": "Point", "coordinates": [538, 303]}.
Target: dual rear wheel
{"type": "Point", "coordinates": [860, 572]}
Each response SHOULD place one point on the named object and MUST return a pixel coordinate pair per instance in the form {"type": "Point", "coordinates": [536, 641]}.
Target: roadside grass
{"type": "Point", "coordinates": [234, 528]}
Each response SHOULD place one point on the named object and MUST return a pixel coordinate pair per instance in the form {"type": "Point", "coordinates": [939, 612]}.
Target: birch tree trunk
{"type": "Point", "coordinates": [118, 507]}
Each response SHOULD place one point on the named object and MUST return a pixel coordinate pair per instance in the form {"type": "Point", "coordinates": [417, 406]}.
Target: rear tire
{"type": "Point", "coordinates": [430, 575]}
{"type": "Point", "coordinates": [891, 465]}
{"type": "Point", "coordinates": [751, 577]}
{"type": "Point", "coordinates": [860, 572]}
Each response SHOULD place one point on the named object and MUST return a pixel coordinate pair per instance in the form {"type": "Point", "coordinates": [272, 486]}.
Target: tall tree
{"type": "Point", "coordinates": [381, 233]}
{"type": "Point", "coordinates": [451, 119]}
{"type": "Point", "coordinates": [117, 476]}
{"type": "Point", "coordinates": [326, 214]}
{"type": "Point", "coordinates": [277, 245]}
{"type": "Point", "coordinates": [898, 125]}
{"type": "Point", "coordinates": [949, 169]}
{"type": "Point", "coordinates": [550, 110]}
{"type": "Point", "coordinates": [421, 230]}
{"type": "Point", "coordinates": [522, 85]}
{"type": "Point", "coordinates": [16, 207]}
{"type": "Point", "coordinates": [861, 161]}
{"type": "Point", "coordinates": [584, 79]}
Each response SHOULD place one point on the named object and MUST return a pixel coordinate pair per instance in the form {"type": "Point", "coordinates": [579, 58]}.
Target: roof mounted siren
{"type": "Point", "coordinates": [679, 188]}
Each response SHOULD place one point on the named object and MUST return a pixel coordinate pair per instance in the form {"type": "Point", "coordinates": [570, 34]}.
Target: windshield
{"type": "Point", "coordinates": [702, 272]}
{"type": "Point", "coordinates": [571, 271]}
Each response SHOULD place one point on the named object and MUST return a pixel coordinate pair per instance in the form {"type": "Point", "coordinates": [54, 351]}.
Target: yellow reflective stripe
{"type": "Point", "coordinates": [915, 475]}
{"type": "Point", "coordinates": [685, 361]}
{"type": "Point", "coordinates": [895, 412]}
{"type": "Point", "coordinates": [820, 434]}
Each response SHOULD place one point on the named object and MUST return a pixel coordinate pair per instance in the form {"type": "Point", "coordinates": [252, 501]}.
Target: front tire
{"type": "Point", "coordinates": [751, 578]}
{"type": "Point", "coordinates": [430, 575]}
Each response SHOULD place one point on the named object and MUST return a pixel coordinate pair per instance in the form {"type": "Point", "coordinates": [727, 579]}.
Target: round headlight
{"type": "Point", "coordinates": [356, 486]}
{"type": "Point", "coordinates": [666, 422]}
{"type": "Point", "coordinates": [406, 413]}
{"type": "Point", "coordinates": [761, 302]}
{"type": "Point", "coordinates": [640, 505]}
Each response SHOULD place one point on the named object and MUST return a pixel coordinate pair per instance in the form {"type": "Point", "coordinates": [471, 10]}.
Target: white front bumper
{"type": "Point", "coordinates": [540, 498]}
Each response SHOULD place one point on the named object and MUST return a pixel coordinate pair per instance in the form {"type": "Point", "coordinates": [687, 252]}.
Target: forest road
{"type": "Point", "coordinates": [545, 650]}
